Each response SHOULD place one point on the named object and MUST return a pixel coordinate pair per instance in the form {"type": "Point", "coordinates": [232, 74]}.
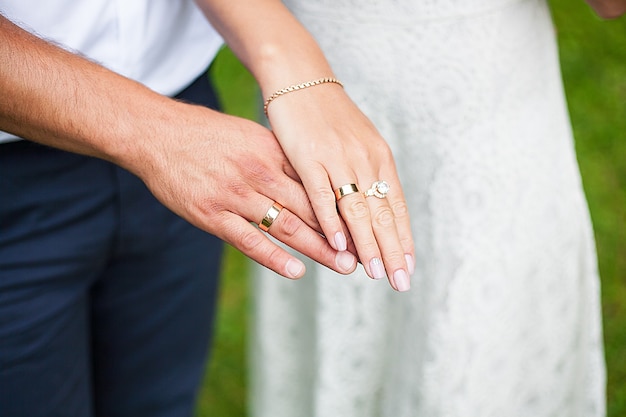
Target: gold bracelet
{"type": "Point", "coordinates": [298, 87]}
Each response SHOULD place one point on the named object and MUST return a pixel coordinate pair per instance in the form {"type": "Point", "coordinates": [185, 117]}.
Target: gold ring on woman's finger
{"type": "Point", "coordinates": [270, 216]}
{"type": "Point", "coordinates": [344, 190]}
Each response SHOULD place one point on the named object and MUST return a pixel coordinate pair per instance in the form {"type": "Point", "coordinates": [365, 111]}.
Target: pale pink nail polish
{"type": "Point", "coordinates": [377, 269]}
{"type": "Point", "coordinates": [340, 241]}
{"type": "Point", "coordinates": [410, 262]}
{"type": "Point", "coordinates": [401, 279]}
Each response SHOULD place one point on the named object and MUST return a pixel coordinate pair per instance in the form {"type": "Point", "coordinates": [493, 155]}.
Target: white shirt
{"type": "Point", "coordinates": [164, 44]}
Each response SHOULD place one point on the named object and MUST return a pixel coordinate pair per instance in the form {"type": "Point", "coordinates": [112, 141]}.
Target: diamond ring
{"type": "Point", "coordinates": [378, 189]}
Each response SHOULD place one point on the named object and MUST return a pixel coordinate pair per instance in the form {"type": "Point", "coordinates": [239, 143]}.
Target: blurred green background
{"type": "Point", "coordinates": [593, 59]}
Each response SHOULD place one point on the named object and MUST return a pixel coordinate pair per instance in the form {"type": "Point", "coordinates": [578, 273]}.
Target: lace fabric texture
{"type": "Point", "coordinates": [503, 317]}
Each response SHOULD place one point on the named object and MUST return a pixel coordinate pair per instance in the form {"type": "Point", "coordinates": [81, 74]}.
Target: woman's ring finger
{"type": "Point", "coordinates": [344, 190]}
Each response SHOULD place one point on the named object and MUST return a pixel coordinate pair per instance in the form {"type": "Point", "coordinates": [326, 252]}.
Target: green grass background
{"type": "Point", "coordinates": [593, 59]}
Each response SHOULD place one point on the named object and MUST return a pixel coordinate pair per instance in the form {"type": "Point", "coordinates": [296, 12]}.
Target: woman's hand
{"type": "Point", "coordinates": [331, 143]}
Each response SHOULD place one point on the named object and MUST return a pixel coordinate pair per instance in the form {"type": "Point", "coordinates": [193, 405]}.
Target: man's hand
{"type": "Point", "coordinates": [221, 173]}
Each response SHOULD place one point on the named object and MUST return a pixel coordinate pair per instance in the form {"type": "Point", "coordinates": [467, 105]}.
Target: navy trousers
{"type": "Point", "coordinates": [106, 297]}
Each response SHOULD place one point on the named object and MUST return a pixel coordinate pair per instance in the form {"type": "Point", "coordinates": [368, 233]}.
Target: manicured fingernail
{"type": "Point", "coordinates": [295, 268]}
{"type": "Point", "coordinates": [402, 280]}
{"type": "Point", "coordinates": [340, 241]}
{"type": "Point", "coordinates": [377, 269]}
{"type": "Point", "coordinates": [345, 261]}
{"type": "Point", "coordinates": [410, 263]}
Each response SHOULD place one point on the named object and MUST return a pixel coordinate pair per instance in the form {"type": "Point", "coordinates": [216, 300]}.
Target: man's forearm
{"type": "Point", "coordinates": [61, 99]}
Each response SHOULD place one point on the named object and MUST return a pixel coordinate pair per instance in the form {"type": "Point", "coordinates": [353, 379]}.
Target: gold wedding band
{"type": "Point", "coordinates": [270, 216]}
{"type": "Point", "coordinates": [344, 190]}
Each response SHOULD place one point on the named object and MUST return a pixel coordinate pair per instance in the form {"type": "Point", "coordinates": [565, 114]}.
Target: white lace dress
{"type": "Point", "coordinates": [503, 316]}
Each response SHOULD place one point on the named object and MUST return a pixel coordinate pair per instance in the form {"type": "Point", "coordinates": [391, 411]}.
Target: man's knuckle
{"type": "Point", "coordinates": [289, 225]}
{"type": "Point", "coordinates": [211, 207]}
{"type": "Point", "coordinates": [251, 240]}
{"type": "Point", "coordinates": [258, 172]}
{"type": "Point", "coordinates": [237, 188]}
{"type": "Point", "coordinates": [274, 253]}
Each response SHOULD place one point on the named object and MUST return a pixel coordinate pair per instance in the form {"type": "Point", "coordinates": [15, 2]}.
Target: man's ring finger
{"type": "Point", "coordinates": [270, 216]}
